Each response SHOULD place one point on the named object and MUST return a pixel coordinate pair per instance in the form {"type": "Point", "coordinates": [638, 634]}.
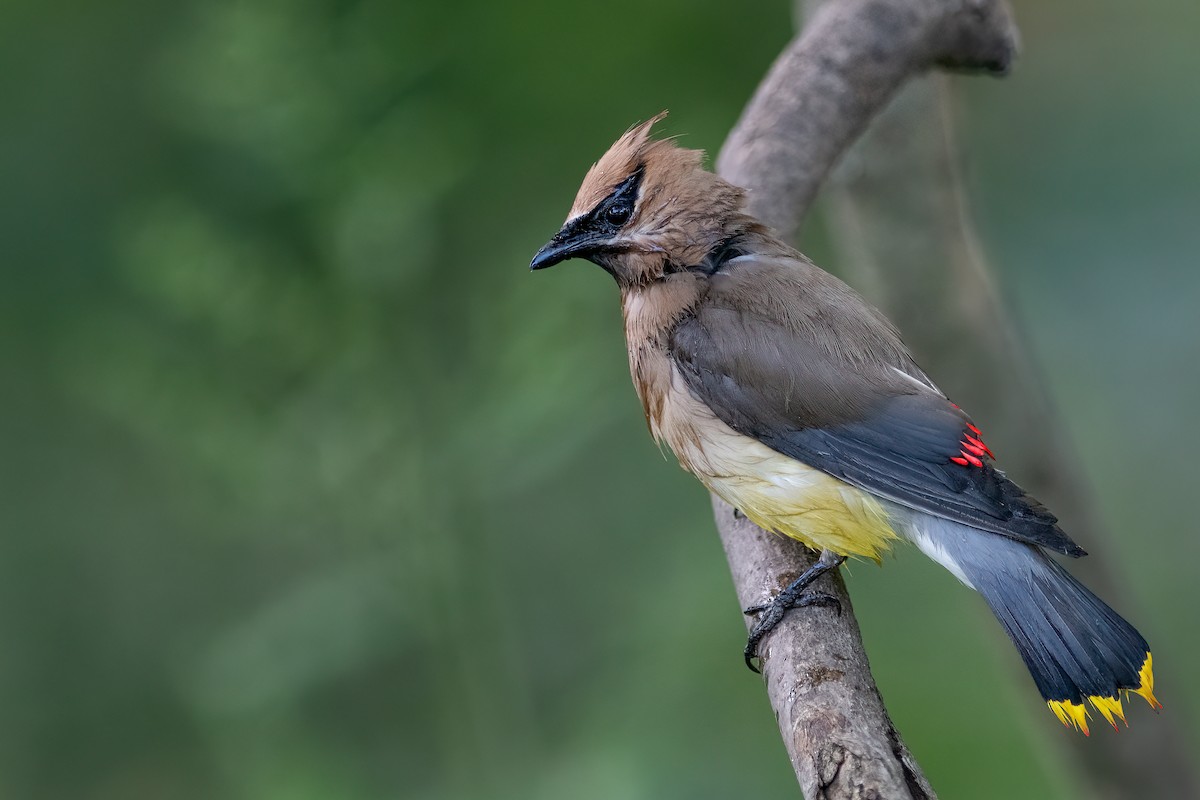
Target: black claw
{"type": "Point", "coordinates": [737, 514]}
{"type": "Point", "coordinates": [775, 611]}
{"type": "Point", "coordinates": [791, 597]}
{"type": "Point", "coordinates": [820, 599]}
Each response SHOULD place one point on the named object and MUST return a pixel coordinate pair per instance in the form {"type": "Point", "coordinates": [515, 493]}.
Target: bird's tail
{"type": "Point", "coordinates": [1078, 650]}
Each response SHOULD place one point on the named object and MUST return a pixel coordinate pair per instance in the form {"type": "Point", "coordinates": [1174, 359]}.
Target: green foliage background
{"type": "Point", "coordinates": [310, 490]}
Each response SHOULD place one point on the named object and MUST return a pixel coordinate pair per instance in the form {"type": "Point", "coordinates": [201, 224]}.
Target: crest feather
{"type": "Point", "coordinates": [633, 150]}
{"type": "Point", "coordinates": [682, 211]}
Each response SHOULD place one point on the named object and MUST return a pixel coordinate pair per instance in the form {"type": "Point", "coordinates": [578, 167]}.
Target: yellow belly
{"type": "Point", "coordinates": [818, 510]}
{"type": "Point", "coordinates": [774, 491]}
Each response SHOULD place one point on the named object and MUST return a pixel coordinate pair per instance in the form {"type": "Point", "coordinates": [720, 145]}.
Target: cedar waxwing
{"type": "Point", "coordinates": [795, 401]}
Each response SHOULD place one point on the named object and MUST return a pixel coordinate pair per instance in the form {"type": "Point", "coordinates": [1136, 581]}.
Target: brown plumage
{"type": "Point", "coordinates": [796, 401]}
{"type": "Point", "coordinates": [665, 226]}
{"type": "Point", "coordinates": [796, 351]}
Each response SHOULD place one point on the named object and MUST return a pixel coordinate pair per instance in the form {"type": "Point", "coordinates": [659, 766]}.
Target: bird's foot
{"type": "Point", "coordinates": [772, 612]}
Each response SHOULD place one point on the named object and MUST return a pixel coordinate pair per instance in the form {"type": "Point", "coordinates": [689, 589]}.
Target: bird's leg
{"type": "Point", "coordinates": [793, 596]}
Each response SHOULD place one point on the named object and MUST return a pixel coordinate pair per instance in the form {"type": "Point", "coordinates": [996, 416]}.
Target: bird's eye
{"type": "Point", "coordinates": [618, 214]}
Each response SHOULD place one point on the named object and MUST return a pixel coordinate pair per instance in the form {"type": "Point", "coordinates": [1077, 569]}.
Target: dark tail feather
{"type": "Point", "coordinates": [1076, 648]}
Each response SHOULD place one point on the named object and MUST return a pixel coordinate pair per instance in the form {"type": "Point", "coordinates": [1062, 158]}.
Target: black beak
{"type": "Point", "coordinates": [575, 239]}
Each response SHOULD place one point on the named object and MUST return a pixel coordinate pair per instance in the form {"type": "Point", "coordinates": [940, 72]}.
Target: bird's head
{"type": "Point", "coordinates": [647, 209]}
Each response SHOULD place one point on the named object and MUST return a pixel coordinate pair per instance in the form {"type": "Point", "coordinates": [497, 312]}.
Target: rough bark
{"type": "Point", "coordinates": [840, 740]}
{"type": "Point", "coordinates": [835, 76]}
{"type": "Point", "coordinates": [817, 98]}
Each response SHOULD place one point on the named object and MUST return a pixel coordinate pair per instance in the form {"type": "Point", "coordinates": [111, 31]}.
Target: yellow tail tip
{"type": "Point", "coordinates": [1075, 715]}
{"type": "Point", "coordinates": [1110, 709]}
{"type": "Point", "coordinates": [1146, 683]}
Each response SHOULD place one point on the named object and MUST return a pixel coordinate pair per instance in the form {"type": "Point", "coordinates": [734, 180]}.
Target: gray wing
{"type": "Point", "coordinates": [758, 353]}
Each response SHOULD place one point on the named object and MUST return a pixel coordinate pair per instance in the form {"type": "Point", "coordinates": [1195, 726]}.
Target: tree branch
{"type": "Point", "coordinates": [900, 224]}
{"type": "Point", "coordinates": [835, 76]}
{"type": "Point", "coordinates": [838, 735]}
{"type": "Point", "coordinates": [816, 99]}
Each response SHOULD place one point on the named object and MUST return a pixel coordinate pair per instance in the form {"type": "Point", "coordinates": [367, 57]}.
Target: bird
{"type": "Point", "coordinates": [793, 399]}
